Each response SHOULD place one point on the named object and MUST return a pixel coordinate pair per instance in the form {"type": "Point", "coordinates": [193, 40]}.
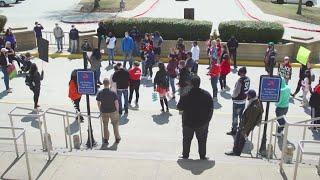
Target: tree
{"type": "Point", "coordinates": [299, 7]}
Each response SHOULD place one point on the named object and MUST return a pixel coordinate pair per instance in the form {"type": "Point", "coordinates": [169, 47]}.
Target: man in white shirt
{"type": "Point", "coordinates": [195, 50]}
{"type": "Point", "coordinates": [111, 44]}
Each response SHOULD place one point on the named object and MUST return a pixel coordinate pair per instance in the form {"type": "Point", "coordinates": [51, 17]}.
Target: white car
{"type": "Point", "coordinates": [308, 3]}
{"type": "Point", "coordinates": [4, 3]}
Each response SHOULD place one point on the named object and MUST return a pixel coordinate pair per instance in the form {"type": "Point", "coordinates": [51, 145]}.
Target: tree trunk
{"type": "Point", "coordinates": [299, 7]}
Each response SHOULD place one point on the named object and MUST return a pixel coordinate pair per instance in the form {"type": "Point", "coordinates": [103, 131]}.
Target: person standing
{"type": "Point", "coordinates": [95, 61]}
{"type": "Point", "coordinates": [197, 112]}
{"type": "Point", "coordinates": [252, 117]}
{"type": "Point", "coordinates": [306, 88]}
{"type": "Point", "coordinates": [35, 87]}
{"type": "Point", "coordinates": [189, 62]}
{"type": "Point", "coordinates": [101, 33]}
{"type": "Point", "coordinates": [74, 94]}
{"type": "Point", "coordinates": [127, 46]}
{"type": "Point", "coordinates": [109, 107]}
{"type": "Point", "coordinates": [302, 75]}
{"type": "Point", "coordinates": [282, 106]}
{"type": "Point", "coordinates": [135, 75]}
{"type": "Point", "coordinates": [209, 49]}
{"type": "Point", "coordinates": [161, 85]}
{"type": "Point", "coordinates": [285, 69]}
{"type": "Point", "coordinates": [111, 44]}
{"type": "Point", "coordinates": [184, 78]}
{"type": "Point", "coordinates": [74, 39]}
{"type": "Point", "coordinates": [135, 35]}
{"type": "Point", "coordinates": [270, 58]}
{"type": "Point", "coordinates": [195, 50]}
{"type": "Point", "coordinates": [233, 46]}
{"type": "Point", "coordinates": [8, 36]}
{"type": "Point", "coordinates": [239, 97]}
{"type": "Point", "coordinates": [113, 85]}
{"type": "Point", "coordinates": [4, 63]}
{"type": "Point", "coordinates": [225, 70]}
{"type": "Point", "coordinates": [213, 53]}
{"type": "Point", "coordinates": [38, 32]}
{"type": "Point", "coordinates": [58, 35]}
{"type": "Point", "coordinates": [149, 61]}
{"type": "Point", "coordinates": [121, 77]}
{"type": "Point", "coordinates": [157, 43]}
{"type": "Point", "coordinates": [214, 74]}
{"type": "Point", "coordinates": [315, 104]}
{"type": "Point", "coordinates": [172, 69]}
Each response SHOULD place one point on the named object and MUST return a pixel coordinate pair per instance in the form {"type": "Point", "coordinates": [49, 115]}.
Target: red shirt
{"type": "Point", "coordinates": [135, 73]}
{"type": "Point", "coordinates": [225, 67]}
{"type": "Point", "coordinates": [73, 91]}
{"type": "Point", "coordinates": [215, 70]}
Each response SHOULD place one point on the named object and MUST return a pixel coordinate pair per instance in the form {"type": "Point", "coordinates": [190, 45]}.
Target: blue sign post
{"type": "Point", "coordinates": [86, 82]}
{"type": "Point", "coordinates": [269, 89]}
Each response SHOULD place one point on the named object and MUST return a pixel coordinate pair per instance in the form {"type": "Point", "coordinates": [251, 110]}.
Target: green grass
{"type": "Point", "coordinates": [114, 5]}
{"type": "Point", "coordinates": [309, 14]}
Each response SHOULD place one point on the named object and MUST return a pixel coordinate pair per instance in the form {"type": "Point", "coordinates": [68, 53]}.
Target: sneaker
{"type": "Point", "coordinates": [167, 109]}
{"type": "Point", "coordinates": [9, 91]}
{"type": "Point", "coordinates": [118, 140]}
{"type": "Point", "coordinates": [126, 111]}
{"type": "Point", "coordinates": [232, 133]}
{"type": "Point", "coordinates": [231, 153]}
{"type": "Point", "coordinates": [278, 134]}
{"type": "Point", "coordinates": [204, 158]}
{"type": "Point", "coordinates": [162, 110]}
{"type": "Point", "coordinates": [105, 141]}
{"type": "Point", "coordinates": [184, 157]}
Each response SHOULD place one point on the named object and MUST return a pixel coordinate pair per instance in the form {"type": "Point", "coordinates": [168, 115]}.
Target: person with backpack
{"type": "Point", "coordinates": [74, 94]}
{"type": "Point", "coordinates": [161, 85]}
{"type": "Point", "coordinates": [35, 83]}
{"type": "Point", "coordinates": [184, 79]}
{"type": "Point", "coordinates": [135, 75]}
{"type": "Point", "coordinates": [172, 68]}
{"type": "Point", "coordinates": [58, 35]}
{"type": "Point", "coordinates": [270, 58]}
{"type": "Point", "coordinates": [4, 63]}
{"type": "Point", "coordinates": [225, 70]}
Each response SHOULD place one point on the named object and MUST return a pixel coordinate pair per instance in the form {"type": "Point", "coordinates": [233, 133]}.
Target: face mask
{"type": "Point", "coordinates": [126, 36]}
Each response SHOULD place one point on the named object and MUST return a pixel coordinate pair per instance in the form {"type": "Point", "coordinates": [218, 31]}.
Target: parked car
{"type": "Point", "coordinates": [308, 3]}
{"type": "Point", "coordinates": [4, 3]}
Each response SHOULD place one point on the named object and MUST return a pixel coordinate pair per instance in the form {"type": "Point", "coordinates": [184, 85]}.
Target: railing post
{"type": "Point", "coordinates": [297, 163]}
{"type": "Point", "coordinates": [79, 123]}
{"type": "Point", "coordinates": [65, 130]}
{"type": "Point", "coordinates": [270, 140]}
{"type": "Point", "coordinates": [259, 133]}
{"type": "Point", "coordinates": [26, 155]}
{"type": "Point", "coordinates": [14, 136]}
{"type": "Point", "coordinates": [69, 131]}
{"type": "Point", "coordinates": [284, 144]}
{"type": "Point", "coordinates": [46, 136]}
{"type": "Point", "coordinates": [303, 138]}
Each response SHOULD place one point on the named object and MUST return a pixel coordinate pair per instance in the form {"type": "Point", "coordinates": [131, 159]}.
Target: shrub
{"type": "Point", "coordinates": [3, 21]}
{"type": "Point", "coordinates": [251, 31]}
{"type": "Point", "coordinates": [170, 29]}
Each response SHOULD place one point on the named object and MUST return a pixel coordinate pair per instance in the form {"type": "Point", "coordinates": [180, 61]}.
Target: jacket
{"type": "Point", "coordinates": [195, 50]}
{"type": "Point", "coordinates": [101, 32]}
{"type": "Point", "coordinates": [215, 71]}
{"type": "Point", "coordinates": [284, 95]}
{"type": "Point", "coordinates": [127, 45]}
{"type": "Point", "coordinates": [184, 77]}
{"type": "Point", "coordinates": [11, 38]}
{"type": "Point", "coordinates": [135, 73]}
{"type": "Point", "coordinates": [121, 77]}
{"type": "Point", "coordinates": [241, 88]}
{"type": "Point", "coordinates": [225, 67]}
{"type": "Point", "coordinates": [157, 41]}
{"type": "Point", "coordinates": [150, 59]}
{"type": "Point", "coordinates": [172, 67]}
{"type": "Point", "coordinates": [252, 116]}
{"type": "Point", "coordinates": [232, 45]}
{"type": "Point", "coordinates": [95, 63]}
{"type": "Point", "coordinates": [74, 34]}
{"type": "Point", "coordinates": [197, 108]}
{"type": "Point", "coordinates": [58, 32]}
{"type": "Point", "coordinates": [73, 91]}
{"type": "Point", "coordinates": [38, 31]}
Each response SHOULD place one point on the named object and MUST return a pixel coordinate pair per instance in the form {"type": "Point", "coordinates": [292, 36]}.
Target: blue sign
{"type": "Point", "coordinates": [270, 88]}
{"type": "Point", "coordinates": [86, 82]}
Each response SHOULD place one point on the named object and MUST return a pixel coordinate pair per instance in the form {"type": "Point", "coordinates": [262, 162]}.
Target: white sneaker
{"type": "Point", "coordinates": [278, 134]}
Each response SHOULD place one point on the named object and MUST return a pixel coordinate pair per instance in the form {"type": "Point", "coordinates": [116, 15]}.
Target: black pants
{"type": "Point", "coordinates": [76, 104]}
{"type": "Point", "coordinates": [99, 42]}
{"type": "Point", "coordinates": [134, 87]}
{"type": "Point", "coordinates": [36, 94]}
{"type": "Point", "coordinates": [233, 55]}
{"type": "Point", "coordinates": [223, 81]}
{"type": "Point", "coordinates": [201, 134]}
{"type": "Point", "coordinates": [239, 142]}
{"type": "Point", "coordinates": [148, 68]}
{"type": "Point", "coordinates": [315, 112]}
{"type": "Point", "coordinates": [298, 87]}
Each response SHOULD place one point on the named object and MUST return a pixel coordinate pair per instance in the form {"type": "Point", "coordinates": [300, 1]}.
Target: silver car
{"type": "Point", "coordinates": [308, 3]}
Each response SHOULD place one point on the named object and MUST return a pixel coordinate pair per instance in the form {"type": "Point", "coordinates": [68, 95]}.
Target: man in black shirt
{"type": "Point", "coordinates": [108, 105]}
{"type": "Point", "coordinates": [121, 77]}
{"type": "Point", "coordinates": [232, 46]}
{"type": "Point", "coordinates": [197, 113]}
{"type": "Point", "coordinates": [101, 33]}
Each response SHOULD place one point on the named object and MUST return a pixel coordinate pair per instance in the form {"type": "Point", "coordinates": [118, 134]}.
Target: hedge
{"type": "Point", "coordinates": [251, 31]}
{"type": "Point", "coordinates": [3, 21]}
{"type": "Point", "coordinates": [170, 29]}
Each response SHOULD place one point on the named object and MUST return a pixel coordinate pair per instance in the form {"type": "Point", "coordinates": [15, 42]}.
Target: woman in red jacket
{"type": "Point", "coordinates": [225, 70]}
{"type": "Point", "coordinates": [73, 93]}
{"type": "Point", "coordinates": [214, 74]}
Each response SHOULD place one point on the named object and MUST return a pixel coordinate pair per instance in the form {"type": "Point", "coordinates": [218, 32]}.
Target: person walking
{"type": "Point", "coordinates": [127, 46]}
{"type": "Point", "coordinates": [282, 106]}
{"type": "Point", "coordinates": [195, 51]}
{"type": "Point", "coordinates": [38, 32]}
{"type": "Point", "coordinates": [101, 33]}
{"type": "Point", "coordinates": [233, 46]}
{"type": "Point", "coordinates": [225, 70]}
{"type": "Point", "coordinates": [197, 112]}
{"type": "Point", "coordinates": [113, 85]}
{"type": "Point", "coordinates": [251, 117]}
{"type": "Point", "coordinates": [213, 53]}
{"type": "Point", "coordinates": [8, 36]}
{"type": "Point", "coordinates": [239, 97]}
{"type": "Point", "coordinates": [95, 61]}
{"type": "Point", "coordinates": [58, 35]}
{"type": "Point", "coordinates": [315, 104]}
{"type": "Point", "coordinates": [149, 62]}
{"type": "Point", "coordinates": [135, 76]}
{"type": "Point", "coordinates": [172, 69]}
{"type": "Point", "coordinates": [285, 69]}
{"type": "Point", "coordinates": [184, 79]}
{"type": "Point", "coordinates": [74, 95]}
{"type": "Point", "coordinates": [302, 75]}
{"type": "Point", "coordinates": [208, 43]}
{"type": "Point", "coordinates": [121, 77]}
{"type": "Point", "coordinates": [161, 85]}
{"type": "Point", "coordinates": [35, 86]}
{"type": "Point", "coordinates": [111, 42]}
{"type": "Point", "coordinates": [189, 62]}
{"type": "Point", "coordinates": [108, 105]}
{"type": "Point", "coordinates": [214, 74]}
{"type": "Point", "coordinates": [306, 88]}
{"type": "Point", "coordinates": [74, 39]}
{"type": "Point", "coordinates": [4, 63]}
{"type": "Point", "coordinates": [270, 58]}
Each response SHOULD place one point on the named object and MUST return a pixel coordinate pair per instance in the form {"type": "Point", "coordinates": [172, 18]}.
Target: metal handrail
{"type": "Point", "coordinates": [301, 151]}
{"type": "Point", "coordinates": [15, 138]}
{"type": "Point", "coordinates": [38, 116]}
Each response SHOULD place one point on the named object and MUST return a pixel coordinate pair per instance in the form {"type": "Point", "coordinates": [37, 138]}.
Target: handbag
{"type": "Point", "coordinates": [12, 72]}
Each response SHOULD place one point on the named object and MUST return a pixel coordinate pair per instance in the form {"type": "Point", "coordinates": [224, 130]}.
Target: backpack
{"type": "Point", "coordinates": [164, 81]}
{"type": "Point", "coordinates": [29, 81]}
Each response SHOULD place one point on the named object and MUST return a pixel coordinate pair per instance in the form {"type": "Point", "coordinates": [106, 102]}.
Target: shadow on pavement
{"type": "Point", "coordinates": [280, 143]}
{"type": "Point", "coordinates": [307, 110]}
{"type": "Point", "coordinates": [123, 120]}
{"type": "Point", "coordinates": [196, 167]}
{"type": "Point", "coordinates": [162, 118]}
{"type": "Point", "coordinates": [225, 95]}
{"type": "Point", "coordinates": [3, 94]}
{"type": "Point", "coordinates": [172, 103]}
{"type": "Point", "coordinates": [34, 120]}
{"type": "Point", "coordinates": [147, 82]}
{"type": "Point", "coordinates": [74, 127]}
{"type": "Point", "coordinates": [216, 105]}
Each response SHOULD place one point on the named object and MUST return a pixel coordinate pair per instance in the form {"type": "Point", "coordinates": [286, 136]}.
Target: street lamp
{"type": "Point", "coordinates": [85, 47]}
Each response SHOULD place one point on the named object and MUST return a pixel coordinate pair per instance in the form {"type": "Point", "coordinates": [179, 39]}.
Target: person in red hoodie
{"type": "Point", "coordinates": [134, 81]}
{"type": "Point", "coordinates": [225, 70]}
{"type": "Point", "coordinates": [73, 93]}
{"type": "Point", "coordinates": [214, 74]}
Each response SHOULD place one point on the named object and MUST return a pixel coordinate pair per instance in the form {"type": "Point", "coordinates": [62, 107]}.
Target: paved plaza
{"type": "Point", "coordinates": [151, 140]}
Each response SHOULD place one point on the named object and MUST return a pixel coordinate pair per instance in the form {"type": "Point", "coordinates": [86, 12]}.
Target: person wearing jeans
{"type": "Point", "coordinates": [123, 92]}
{"type": "Point", "coordinates": [135, 75]}
{"type": "Point", "coordinates": [4, 62]}
{"type": "Point", "coordinates": [58, 34]}
{"type": "Point", "coordinates": [74, 38]}
{"type": "Point", "coordinates": [214, 74]}
{"type": "Point", "coordinates": [111, 44]}
{"type": "Point", "coordinates": [127, 46]}
{"type": "Point", "coordinates": [121, 78]}
{"type": "Point", "coordinates": [283, 105]}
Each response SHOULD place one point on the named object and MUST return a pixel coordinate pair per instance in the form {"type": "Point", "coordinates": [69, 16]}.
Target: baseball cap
{"type": "Point", "coordinates": [252, 93]}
